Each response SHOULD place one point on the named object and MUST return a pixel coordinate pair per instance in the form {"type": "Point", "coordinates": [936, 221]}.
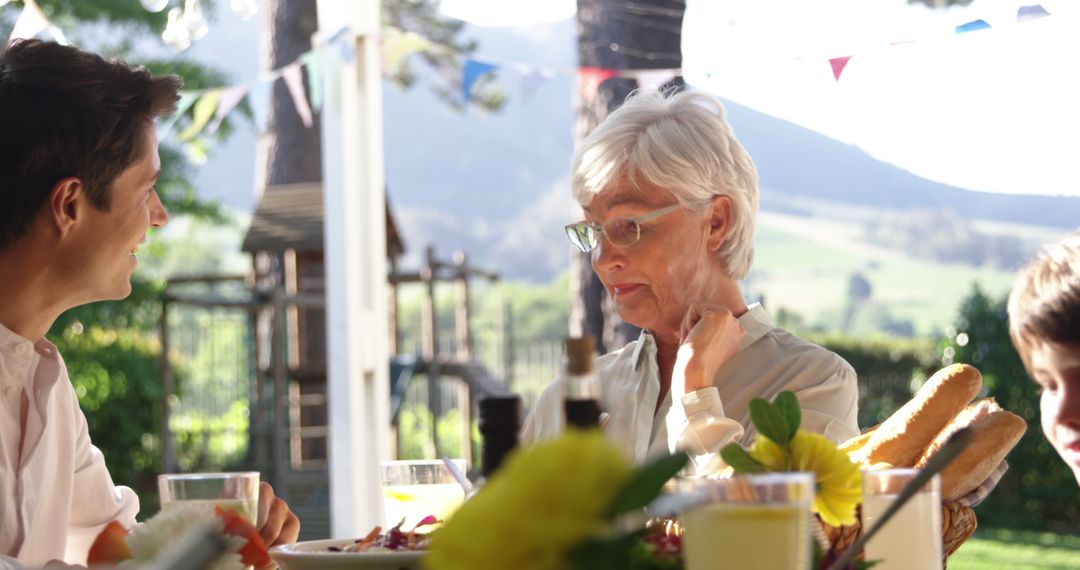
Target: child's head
{"type": "Point", "coordinates": [1044, 322]}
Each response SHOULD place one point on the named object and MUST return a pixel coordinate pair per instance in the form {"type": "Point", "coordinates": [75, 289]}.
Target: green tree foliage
{"type": "Point", "coordinates": [1038, 491]}
{"type": "Point", "coordinates": [114, 372]}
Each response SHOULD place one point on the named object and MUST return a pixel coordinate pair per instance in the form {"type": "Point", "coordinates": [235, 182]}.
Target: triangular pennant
{"type": "Point", "coordinates": [58, 35]}
{"type": "Point", "coordinates": [313, 60]}
{"type": "Point", "coordinates": [530, 82]}
{"type": "Point", "coordinates": [182, 106]}
{"type": "Point", "coordinates": [838, 64]}
{"type": "Point", "coordinates": [396, 45]}
{"type": "Point", "coordinates": [590, 78]}
{"type": "Point", "coordinates": [972, 26]}
{"type": "Point", "coordinates": [345, 43]}
{"type": "Point", "coordinates": [1031, 12]}
{"type": "Point", "coordinates": [201, 114]}
{"type": "Point", "coordinates": [652, 79]}
{"type": "Point", "coordinates": [472, 71]}
{"type": "Point", "coordinates": [294, 80]}
{"type": "Point", "coordinates": [30, 23]}
{"type": "Point", "coordinates": [230, 98]}
{"type": "Point", "coordinates": [259, 101]}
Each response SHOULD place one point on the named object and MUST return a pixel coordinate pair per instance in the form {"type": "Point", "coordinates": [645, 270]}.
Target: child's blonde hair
{"type": "Point", "coordinates": [1045, 301]}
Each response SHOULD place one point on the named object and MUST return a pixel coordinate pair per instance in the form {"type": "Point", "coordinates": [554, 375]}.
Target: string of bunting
{"type": "Point", "coordinates": [209, 107]}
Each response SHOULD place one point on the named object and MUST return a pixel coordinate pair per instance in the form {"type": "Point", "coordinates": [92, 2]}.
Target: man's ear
{"type": "Point", "coordinates": [67, 203]}
{"type": "Point", "coordinates": [720, 218]}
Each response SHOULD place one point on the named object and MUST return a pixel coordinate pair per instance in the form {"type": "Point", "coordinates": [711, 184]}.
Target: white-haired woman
{"type": "Point", "coordinates": [670, 199]}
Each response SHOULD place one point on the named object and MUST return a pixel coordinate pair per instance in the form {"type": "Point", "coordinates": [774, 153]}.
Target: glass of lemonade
{"type": "Point", "coordinates": [236, 491]}
{"type": "Point", "coordinates": [413, 490]}
{"type": "Point", "coordinates": [749, 522]}
{"type": "Point", "coordinates": [912, 537]}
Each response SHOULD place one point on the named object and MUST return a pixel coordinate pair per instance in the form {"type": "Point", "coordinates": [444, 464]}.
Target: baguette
{"type": "Point", "coordinates": [901, 439]}
{"type": "Point", "coordinates": [994, 437]}
{"type": "Point", "coordinates": [973, 412]}
{"type": "Point", "coordinates": [856, 443]}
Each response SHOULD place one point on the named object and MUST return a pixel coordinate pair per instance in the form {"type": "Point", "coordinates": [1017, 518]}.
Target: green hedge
{"type": "Point", "coordinates": [1039, 491]}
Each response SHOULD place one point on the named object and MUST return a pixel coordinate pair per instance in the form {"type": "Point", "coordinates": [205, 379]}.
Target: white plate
{"type": "Point", "coordinates": [313, 555]}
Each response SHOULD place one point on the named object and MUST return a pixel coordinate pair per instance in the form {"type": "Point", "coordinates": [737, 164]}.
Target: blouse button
{"type": "Point", "coordinates": [10, 391]}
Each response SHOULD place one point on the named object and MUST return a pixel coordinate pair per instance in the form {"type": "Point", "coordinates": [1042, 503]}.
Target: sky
{"type": "Point", "coordinates": [992, 110]}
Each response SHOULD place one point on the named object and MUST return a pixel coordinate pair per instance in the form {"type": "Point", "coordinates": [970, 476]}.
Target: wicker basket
{"type": "Point", "coordinates": [957, 525]}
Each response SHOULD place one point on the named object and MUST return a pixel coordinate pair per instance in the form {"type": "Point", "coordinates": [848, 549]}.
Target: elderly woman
{"type": "Point", "coordinates": [670, 198]}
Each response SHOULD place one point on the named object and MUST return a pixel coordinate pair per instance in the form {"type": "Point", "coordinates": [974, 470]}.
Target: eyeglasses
{"type": "Point", "coordinates": [620, 231]}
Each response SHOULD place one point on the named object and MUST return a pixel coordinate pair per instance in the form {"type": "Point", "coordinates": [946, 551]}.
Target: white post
{"type": "Point", "coordinates": [355, 240]}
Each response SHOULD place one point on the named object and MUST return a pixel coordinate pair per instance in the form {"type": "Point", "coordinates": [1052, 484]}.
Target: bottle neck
{"type": "Point", "coordinates": [581, 402]}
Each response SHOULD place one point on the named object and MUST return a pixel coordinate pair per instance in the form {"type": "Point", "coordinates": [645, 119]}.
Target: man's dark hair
{"type": "Point", "coordinates": [65, 112]}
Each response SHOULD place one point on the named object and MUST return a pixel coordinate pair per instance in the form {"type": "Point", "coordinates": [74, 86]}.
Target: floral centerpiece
{"type": "Point", "coordinates": [118, 547]}
{"type": "Point", "coordinates": [562, 504]}
{"type": "Point", "coordinates": [553, 507]}
{"type": "Point", "coordinates": [781, 446]}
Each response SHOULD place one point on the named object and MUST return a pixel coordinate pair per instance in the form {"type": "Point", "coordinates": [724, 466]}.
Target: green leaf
{"type": "Point", "coordinates": [612, 553]}
{"type": "Point", "coordinates": [769, 422]}
{"type": "Point", "coordinates": [739, 459]}
{"type": "Point", "coordinates": [646, 483]}
{"type": "Point", "coordinates": [788, 405]}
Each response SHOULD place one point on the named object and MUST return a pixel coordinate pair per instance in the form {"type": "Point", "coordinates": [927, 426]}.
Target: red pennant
{"type": "Point", "coordinates": [590, 78]}
{"type": "Point", "coordinates": [838, 64]}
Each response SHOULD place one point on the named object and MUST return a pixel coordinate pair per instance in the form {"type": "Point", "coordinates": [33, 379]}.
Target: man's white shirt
{"type": "Point", "coordinates": [58, 495]}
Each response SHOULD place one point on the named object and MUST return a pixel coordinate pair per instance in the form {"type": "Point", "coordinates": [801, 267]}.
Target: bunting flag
{"type": "Point", "coordinates": [294, 80]}
{"type": "Point", "coordinates": [838, 64]}
{"type": "Point", "coordinates": [973, 26]}
{"type": "Point", "coordinates": [182, 106]}
{"type": "Point", "coordinates": [314, 63]}
{"type": "Point", "coordinates": [215, 104]}
{"type": "Point", "coordinates": [1025, 13]}
{"type": "Point", "coordinates": [590, 78]}
{"type": "Point", "coordinates": [230, 98]}
{"type": "Point", "coordinates": [530, 82]}
{"type": "Point", "coordinates": [31, 22]}
{"type": "Point", "coordinates": [259, 100]}
{"type": "Point", "coordinates": [396, 44]}
{"type": "Point", "coordinates": [201, 114]}
{"type": "Point", "coordinates": [472, 71]}
{"type": "Point", "coordinates": [654, 78]}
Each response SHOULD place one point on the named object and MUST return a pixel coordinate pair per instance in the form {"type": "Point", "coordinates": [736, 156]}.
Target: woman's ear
{"type": "Point", "coordinates": [66, 204]}
{"type": "Point", "coordinates": [720, 218]}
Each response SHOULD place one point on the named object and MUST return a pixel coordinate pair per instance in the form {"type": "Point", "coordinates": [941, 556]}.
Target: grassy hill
{"type": "Point", "coordinates": [805, 265]}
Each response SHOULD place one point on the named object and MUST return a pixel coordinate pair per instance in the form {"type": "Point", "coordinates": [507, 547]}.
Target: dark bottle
{"type": "Point", "coordinates": [582, 398]}
{"type": "Point", "coordinates": [500, 422]}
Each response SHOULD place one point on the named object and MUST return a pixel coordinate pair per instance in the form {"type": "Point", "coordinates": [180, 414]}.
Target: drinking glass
{"type": "Point", "coordinates": [415, 489]}
{"type": "Point", "coordinates": [912, 537]}
{"type": "Point", "coordinates": [749, 522]}
{"type": "Point", "coordinates": [236, 491]}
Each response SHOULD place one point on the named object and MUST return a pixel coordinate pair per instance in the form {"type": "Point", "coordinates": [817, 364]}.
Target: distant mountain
{"type": "Point", "coordinates": [495, 185]}
{"type": "Point", "coordinates": [797, 161]}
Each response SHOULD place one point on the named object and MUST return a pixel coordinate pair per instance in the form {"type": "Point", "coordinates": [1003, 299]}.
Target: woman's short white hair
{"type": "Point", "coordinates": [681, 142]}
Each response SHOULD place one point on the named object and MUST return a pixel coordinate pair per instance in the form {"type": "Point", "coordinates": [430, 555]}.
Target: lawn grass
{"type": "Point", "coordinates": [805, 266]}
{"type": "Point", "coordinates": [1017, 550]}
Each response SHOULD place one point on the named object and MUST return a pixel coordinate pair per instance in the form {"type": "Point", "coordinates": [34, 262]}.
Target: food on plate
{"type": "Point", "coordinates": [901, 439]}
{"type": "Point", "coordinates": [394, 540]}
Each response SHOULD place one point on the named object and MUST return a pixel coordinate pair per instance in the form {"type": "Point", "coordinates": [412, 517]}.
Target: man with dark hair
{"type": "Point", "coordinates": [78, 165]}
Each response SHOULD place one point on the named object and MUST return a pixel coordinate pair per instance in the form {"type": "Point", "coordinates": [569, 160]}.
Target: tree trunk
{"type": "Point", "coordinates": [289, 152]}
{"type": "Point", "coordinates": [645, 34]}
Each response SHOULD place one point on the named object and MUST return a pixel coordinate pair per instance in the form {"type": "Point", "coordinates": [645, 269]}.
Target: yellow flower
{"type": "Point", "coordinates": [542, 503]}
{"type": "Point", "coordinates": [839, 481]}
